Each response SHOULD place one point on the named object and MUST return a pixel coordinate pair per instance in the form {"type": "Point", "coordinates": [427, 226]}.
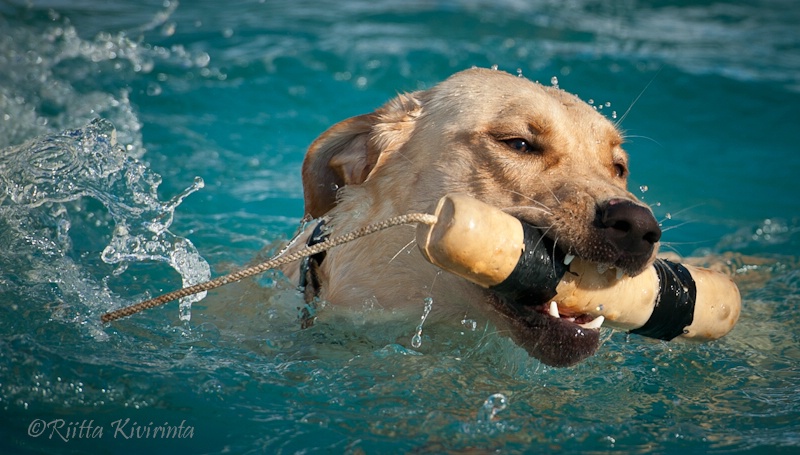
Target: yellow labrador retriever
{"type": "Point", "coordinates": [534, 151]}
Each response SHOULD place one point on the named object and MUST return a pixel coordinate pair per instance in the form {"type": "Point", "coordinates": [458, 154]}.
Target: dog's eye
{"type": "Point", "coordinates": [620, 170]}
{"type": "Point", "coordinates": [522, 145]}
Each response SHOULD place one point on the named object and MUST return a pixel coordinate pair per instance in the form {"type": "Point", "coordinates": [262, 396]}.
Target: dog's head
{"type": "Point", "coordinates": [537, 152]}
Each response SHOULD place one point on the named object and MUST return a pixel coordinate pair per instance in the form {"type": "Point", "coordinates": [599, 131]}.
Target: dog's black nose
{"type": "Point", "coordinates": [629, 226]}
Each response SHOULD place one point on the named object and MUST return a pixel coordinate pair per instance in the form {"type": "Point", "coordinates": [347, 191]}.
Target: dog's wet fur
{"type": "Point", "coordinates": [534, 151]}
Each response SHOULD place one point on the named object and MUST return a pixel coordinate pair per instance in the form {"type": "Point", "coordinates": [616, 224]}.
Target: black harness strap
{"type": "Point", "coordinates": [310, 283]}
{"type": "Point", "coordinates": [674, 309]}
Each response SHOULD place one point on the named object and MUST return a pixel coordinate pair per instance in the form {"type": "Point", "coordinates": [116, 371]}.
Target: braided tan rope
{"type": "Point", "coordinates": [411, 218]}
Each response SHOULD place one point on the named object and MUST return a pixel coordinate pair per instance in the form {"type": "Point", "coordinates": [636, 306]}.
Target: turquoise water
{"type": "Point", "coordinates": [213, 104]}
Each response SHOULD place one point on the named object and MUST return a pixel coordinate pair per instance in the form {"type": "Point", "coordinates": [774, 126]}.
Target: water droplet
{"type": "Point", "coordinates": [416, 340]}
{"type": "Point", "coordinates": [202, 60]}
{"type": "Point", "coordinates": [198, 183]}
{"type": "Point", "coordinates": [494, 67]}
{"type": "Point", "coordinates": [494, 404]}
{"type": "Point", "coordinates": [168, 29]}
{"type": "Point", "coordinates": [643, 188]}
{"type": "Point", "coordinates": [668, 216]}
{"type": "Point", "coordinates": [607, 104]}
{"type": "Point", "coordinates": [591, 101]}
{"type": "Point", "coordinates": [613, 114]}
{"type": "Point", "coordinates": [554, 81]}
{"type": "Point", "coordinates": [469, 324]}
{"type": "Point", "coordinates": [185, 311]}
{"type": "Point", "coordinates": [153, 89]}
{"type": "Point", "coordinates": [519, 72]}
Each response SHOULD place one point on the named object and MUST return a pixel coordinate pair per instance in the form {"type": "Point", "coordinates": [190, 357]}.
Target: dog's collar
{"type": "Point", "coordinates": [309, 283]}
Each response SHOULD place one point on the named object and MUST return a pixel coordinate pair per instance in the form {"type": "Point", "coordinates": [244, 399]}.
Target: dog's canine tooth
{"type": "Point", "coordinates": [554, 310]}
{"type": "Point", "coordinates": [568, 259]}
{"type": "Point", "coordinates": [595, 323]}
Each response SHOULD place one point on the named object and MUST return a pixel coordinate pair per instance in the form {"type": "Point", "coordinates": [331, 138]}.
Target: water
{"type": "Point", "coordinates": [149, 145]}
{"type": "Point", "coordinates": [416, 340]}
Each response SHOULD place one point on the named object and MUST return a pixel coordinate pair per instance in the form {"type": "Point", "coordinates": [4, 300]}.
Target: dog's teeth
{"type": "Point", "coordinates": [620, 274]}
{"type": "Point", "coordinates": [554, 310]}
{"type": "Point", "coordinates": [568, 259]}
{"type": "Point", "coordinates": [595, 323]}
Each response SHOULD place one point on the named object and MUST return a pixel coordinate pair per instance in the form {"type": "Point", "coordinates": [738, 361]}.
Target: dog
{"type": "Point", "coordinates": [534, 151]}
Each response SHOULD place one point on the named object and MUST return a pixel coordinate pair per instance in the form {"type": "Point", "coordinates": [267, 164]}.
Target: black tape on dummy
{"type": "Point", "coordinates": [674, 308]}
{"type": "Point", "coordinates": [538, 271]}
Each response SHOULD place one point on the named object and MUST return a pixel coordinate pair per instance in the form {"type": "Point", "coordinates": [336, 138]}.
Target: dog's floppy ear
{"type": "Point", "coordinates": [349, 151]}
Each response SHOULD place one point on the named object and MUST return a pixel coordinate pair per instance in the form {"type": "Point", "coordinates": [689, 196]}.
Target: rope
{"type": "Point", "coordinates": [411, 218]}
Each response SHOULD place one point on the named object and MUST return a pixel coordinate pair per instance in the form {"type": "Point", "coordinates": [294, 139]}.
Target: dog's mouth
{"type": "Point", "coordinates": [555, 337]}
{"type": "Point", "coordinates": [623, 236]}
{"type": "Point", "coordinates": [556, 340]}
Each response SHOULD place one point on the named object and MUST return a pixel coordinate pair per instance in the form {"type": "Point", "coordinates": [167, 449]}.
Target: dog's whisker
{"type": "Point", "coordinates": [691, 207]}
{"type": "Point", "coordinates": [544, 233]}
{"type": "Point", "coordinates": [668, 246]}
{"type": "Point", "coordinates": [694, 243]}
{"type": "Point", "coordinates": [555, 244]}
{"type": "Point", "coordinates": [669, 228]}
{"type": "Point", "coordinates": [485, 335]}
{"type": "Point", "coordinates": [402, 155]}
{"type": "Point", "coordinates": [438, 273]}
{"type": "Point", "coordinates": [527, 207]}
{"type": "Point", "coordinates": [644, 137]}
{"type": "Point", "coordinates": [558, 201]}
{"type": "Point", "coordinates": [406, 247]}
{"type": "Point", "coordinates": [636, 100]}
{"type": "Point", "coordinates": [543, 205]}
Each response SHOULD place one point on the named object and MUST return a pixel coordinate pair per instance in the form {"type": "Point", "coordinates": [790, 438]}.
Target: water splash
{"type": "Point", "coordinates": [486, 421]}
{"type": "Point", "coordinates": [494, 404]}
{"type": "Point", "coordinates": [40, 177]}
{"type": "Point", "coordinates": [416, 340]}
{"type": "Point", "coordinates": [470, 324]}
{"type": "Point", "coordinates": [61, 80]}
